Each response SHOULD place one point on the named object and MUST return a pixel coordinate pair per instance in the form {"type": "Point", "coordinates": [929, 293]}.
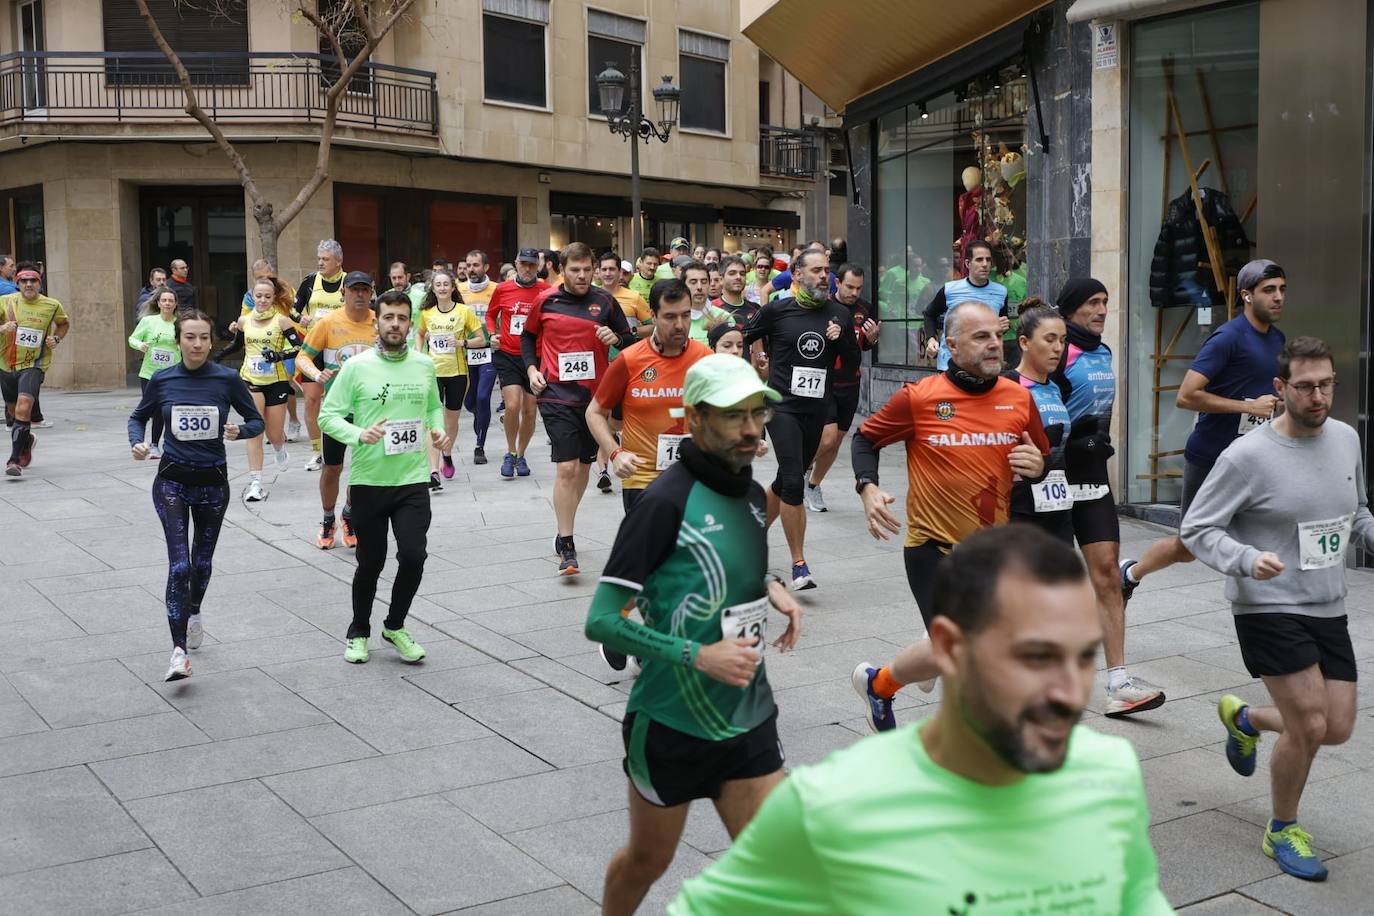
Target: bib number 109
{"type": "Point", "coordinates": [1052, 493]}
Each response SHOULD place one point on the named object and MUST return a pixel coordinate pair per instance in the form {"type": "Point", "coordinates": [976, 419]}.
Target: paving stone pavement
{"type": "Point", "coordinates": [281, 780]}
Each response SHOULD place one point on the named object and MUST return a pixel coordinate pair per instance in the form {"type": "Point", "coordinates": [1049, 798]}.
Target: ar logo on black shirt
{"type": "Point", "coordinates": [810, 344]}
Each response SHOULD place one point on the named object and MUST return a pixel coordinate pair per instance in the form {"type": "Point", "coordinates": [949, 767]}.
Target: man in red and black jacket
{"type": "Point", "coordinates": [510, 305]}
{"type": "Point", "coordinates": [843, 399]}
{"type": "Point", "coordinates": [564, 344]}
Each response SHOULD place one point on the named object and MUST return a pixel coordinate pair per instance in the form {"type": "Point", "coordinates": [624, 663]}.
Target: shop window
{"type": "Point", "coordinates": [600, 233]}
{"type": "Point", "coordinates": [456, 226]}
{"type": "Point", "coordinates": [1206, 65]}
{"type": "Point", "coordinates": [702, 64]}
{"type": "Point", "coordinates": [514, 51]}
{"type": "Point", "coordinates": [949, 170]}
{"type": "Point", "coordinates": [358, 215]}
{"type": "Point", "coordinates": [21, 210]}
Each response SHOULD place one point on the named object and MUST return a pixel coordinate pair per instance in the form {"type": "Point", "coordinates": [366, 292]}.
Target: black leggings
{"type": "Point", "coordinates": [406, 509]}
{"type": "Point", "coordinates": [156, 421]}
{"type": "Point", "coordinates": [482, 379]}
{"type": "Point", "coordinates": [796, 437]}
{"type": "Point", "coordinates": [188, 562]}
{"type": "Point", "coordinates": [920, 565]}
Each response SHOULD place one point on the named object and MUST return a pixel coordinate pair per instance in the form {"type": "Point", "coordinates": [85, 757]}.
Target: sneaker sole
{"type": "Point", "coordinates": [324, 546]}
{"type": "Point", "coordinates": [176, 676]}
{"type": "Point", "coordinates": [605, 657]}
{"type": "Point", "coordinates": [1269, 851]}
{"type": "Point", "coordinates": [409, 661]}
{"type": "Point", "coordinates": [13, 470]}
{"type": "Point", "coordinates": [859, 681]}
{"type": "Point", "coordinates": [1153, 702]}
{"type": "Point", "coordinates": [806, 585]}
{"type": "Point", "coordinates": [570, 571]}
{"type": "Point", "coordinates": [355, 661]}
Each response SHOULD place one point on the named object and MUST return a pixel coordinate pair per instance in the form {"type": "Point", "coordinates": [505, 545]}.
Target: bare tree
{"type": "Point", "coordinates": [353, 29]}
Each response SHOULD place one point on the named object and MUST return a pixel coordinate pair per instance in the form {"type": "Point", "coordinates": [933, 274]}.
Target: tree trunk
{"type": "Point", "coordinates": [268, 232]}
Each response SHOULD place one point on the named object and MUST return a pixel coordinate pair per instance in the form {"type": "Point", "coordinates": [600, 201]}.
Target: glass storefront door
{"type": "Point", "coordinates": [205, 228]}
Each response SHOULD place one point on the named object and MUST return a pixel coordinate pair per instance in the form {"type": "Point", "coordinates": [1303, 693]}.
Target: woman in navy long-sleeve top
{"type": "Point", "coordinates": [192, 483]}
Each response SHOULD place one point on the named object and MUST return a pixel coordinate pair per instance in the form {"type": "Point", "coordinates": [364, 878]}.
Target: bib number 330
{"type": "Point", "coordinates": [195, 423]}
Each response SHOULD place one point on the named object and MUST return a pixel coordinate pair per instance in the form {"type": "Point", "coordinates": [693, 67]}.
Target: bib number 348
{"type": "Point", "coordinates": [400, 437]}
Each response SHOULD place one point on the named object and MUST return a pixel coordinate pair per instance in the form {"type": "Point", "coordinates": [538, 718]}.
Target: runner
{"type": "Point", "coordinates": [448, 331]}
{"type": "Point", "coordinates": [477, 293]}
{"type": "Point", "coordinates": [758, 283]}
{"type": "Point", "coordinates": [933, 819]}
{"type": "Point", "coordinates": [1229, 385]}
{"type": "Point", "coordinates": [1047, 503]}
{"type": "Point", "coordinates": [642, 281]}
{"type": "Point", "coordinates": [263, 270]}
{"type": "Point", "coordinates": [640, 318]}
{"type": "Point", "coordinates": [715, 283]}
{"type": "Point", "coordinates": [705, 316]}
{"type": "Point", "coordinates": [692, 554]}
{"type": "Point", "coordinates": [842, 401]}
{"type": "Point", "coordinates": [381, 404]}
{"type": "Point", "coordinates": [334, 340]}
{"type": "Point", "coordinates": [319, 294]}
{"type": "Point", "coordinates": [677, 248]}
{"type": "Point", "coordinates": [1088, 381]}
{"type": "Point", "coordinates": [193, 398]}
{"type": "Point", "coordinates": [967, 433]}
{"type": "Point", "coordinates": [564, 343]}
{"type": "Point", "coordinates": [270, 339]}
{"type": "Point", "coordinates": [976, 287]}
{"type": "Point", "coordinates": [805, 335]}
{"type": "Point", "coordinates": [506, 313]}
{"type": "Point", "coordinates": [732, 300]}
{"type": "Point", "coordinates": [156, 338]}
{"type": "Point", "coordinates": [1276, 517]}
{"type": "Point", "coordinates": [34, 324]}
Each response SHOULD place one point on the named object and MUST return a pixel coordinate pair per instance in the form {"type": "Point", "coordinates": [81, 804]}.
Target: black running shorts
{"type": "Point", "coordinates": [568, 434]}
{"type": "Point", "coordinates": [1272, 645]}
{"type": "Point", "coordinates": [510, 370]}
{"type": "Point", "coordinates": [668, 767]}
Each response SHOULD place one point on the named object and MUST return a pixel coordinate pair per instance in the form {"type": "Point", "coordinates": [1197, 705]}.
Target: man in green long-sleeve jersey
{"type": "Point", "coordinates": [393, 399]}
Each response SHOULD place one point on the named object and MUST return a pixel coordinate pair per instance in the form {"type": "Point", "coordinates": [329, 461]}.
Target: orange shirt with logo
{"type": "Point", "coordinates": [647, 384]}
{"type": "Point", "coordinates": [957, 444]}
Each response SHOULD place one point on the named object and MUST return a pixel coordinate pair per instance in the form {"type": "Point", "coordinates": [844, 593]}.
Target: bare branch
{"type": "Point", "coordinates": [327, 31]}
{"type": "Point", "coordinates": [193, 108]}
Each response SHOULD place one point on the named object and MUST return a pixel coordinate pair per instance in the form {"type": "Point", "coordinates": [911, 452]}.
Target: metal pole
{"type": "Point", "coordinates": [637, 229]}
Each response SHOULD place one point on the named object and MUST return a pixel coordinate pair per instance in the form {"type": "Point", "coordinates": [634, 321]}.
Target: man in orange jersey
{"type": "Point", "coordinates": [641, 319]}
{"type": "Point", "coordinates": [968, 434]}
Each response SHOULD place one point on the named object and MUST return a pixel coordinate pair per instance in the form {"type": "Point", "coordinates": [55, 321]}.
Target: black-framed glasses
{"type": "Point", "coordinates": [760, 415]}
{"type": "Point", "coordinates": [1306, 388]}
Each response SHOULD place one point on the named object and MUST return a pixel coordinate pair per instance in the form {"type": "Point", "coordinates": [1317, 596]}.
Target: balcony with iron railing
{"type": "Point", "coordinates": [64, 87]}
{"type": "Point", "coordinates": [785, 152]}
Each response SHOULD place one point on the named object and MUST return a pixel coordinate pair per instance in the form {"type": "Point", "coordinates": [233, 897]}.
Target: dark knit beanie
{"type": "Point", "coordinates": [1075, 293]}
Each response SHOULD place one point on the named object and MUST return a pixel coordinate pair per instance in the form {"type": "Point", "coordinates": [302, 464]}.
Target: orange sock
{"type": "Point", "coordinates": [625, 611]}
{"type": "Point", "coordinates": [884, 684]}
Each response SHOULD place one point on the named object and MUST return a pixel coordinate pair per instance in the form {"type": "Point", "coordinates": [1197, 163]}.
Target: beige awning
{"type": "Point", "coordinates": [1084, 10]}
{"type": "Point", "coordinates": [844, 50]}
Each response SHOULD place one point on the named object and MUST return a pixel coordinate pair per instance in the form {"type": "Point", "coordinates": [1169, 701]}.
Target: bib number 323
{"type": "Point", "coordinates": [746, 621]}
{"type": "Point", "coordinates": [1321, 544]}
{"type": "Point", "coordinates": [400, 437]}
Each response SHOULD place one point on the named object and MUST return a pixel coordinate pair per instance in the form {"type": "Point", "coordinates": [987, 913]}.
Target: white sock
{"type": "Point", "coordinates": [1116, 677]}
{"type": "Point", "coordinates": [1130, 574]}
{"type": "Point", "coordinates": [255, 475]}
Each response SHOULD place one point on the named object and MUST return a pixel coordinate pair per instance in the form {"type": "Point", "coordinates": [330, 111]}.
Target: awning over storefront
{"type": "Point", "coordinates": [1084, 10]}
{"type": "Point", "coordinates": [844, 51]}
{"type": "Point", "coordinates": [756, 218]}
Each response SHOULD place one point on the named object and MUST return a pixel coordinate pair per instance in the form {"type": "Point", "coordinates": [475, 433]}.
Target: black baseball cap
{"type": "Point", "coordinates": [528, 256]}
{"type": "Point", "coordinates": [357, 278]}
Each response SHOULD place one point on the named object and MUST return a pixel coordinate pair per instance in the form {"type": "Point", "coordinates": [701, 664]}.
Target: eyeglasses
{"type": "Point", "coordinates": [761, 415]}
{"type": "Point", "coordinates": [1306, 388]}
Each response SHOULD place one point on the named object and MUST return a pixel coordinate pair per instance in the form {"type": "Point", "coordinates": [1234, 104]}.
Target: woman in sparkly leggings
{"type": "Point", "coordinates": [192, 483]}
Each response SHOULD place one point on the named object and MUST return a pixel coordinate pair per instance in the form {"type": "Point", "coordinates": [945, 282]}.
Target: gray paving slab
{"type": "Point", "coordinates": [564, 676]}
{"type": "Point", "coordinates": [556, 901]}
{"type": "Point", "coordinates": [86, 693]}
{"type": "Point", "coordinates": [1228, 905]}
{"type": "Point", "coordinates": [104, 886]}
{"type": "Point", "coordinates": [1336, 811]}
{"type": "Point", "coordinates": [484, 640]}
{"type": "Point", "coordinates": [61, 816]}
{"type": "Point", "coordinates": [18, 718]}
{"type": "Point", "coordinates": [550, 725]}
{"type": "Point", "coordinates": [392, 777]}
{"type": "Point", "coordinates": [102, 741]}
{"type": "Point", "coordinates": [1194, 780]}
{"type": "Point", "coordinates": [341, 892]}
{"type": "Point", "coordinates": [1207, 854]}
{"type": "Point", "coordinates": [228, 837]}
{"type": "Point", "coordinates": [433, 856]}
{"type": "Point", "coordinates": [252, 653]}
{"type": "Point", "coordinates": [235, 704]}
{"type": "Point", "coordinates": [458, 685]}
{"type": "Point", "coordinates": [546, 798]}
{"type": "Point", "coordinates": [153, 641]}
{"type": "Point", "coordinates": [1345, 891]}
{"type": "Point", "coordinates": [388, 715]}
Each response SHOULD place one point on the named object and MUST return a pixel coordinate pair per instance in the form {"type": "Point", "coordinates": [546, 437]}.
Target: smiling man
{"type": "Point", "coordinates": [939, 811]}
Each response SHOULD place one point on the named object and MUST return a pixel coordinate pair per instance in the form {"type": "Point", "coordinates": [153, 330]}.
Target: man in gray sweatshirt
{"type": "Point", "coordinates": [1276, 515]}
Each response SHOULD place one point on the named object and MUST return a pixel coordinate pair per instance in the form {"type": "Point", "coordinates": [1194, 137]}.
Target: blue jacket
{"type": "Point", "coordinates": [212, 385]}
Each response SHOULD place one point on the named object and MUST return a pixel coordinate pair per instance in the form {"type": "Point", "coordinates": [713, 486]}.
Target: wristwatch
{"type": "Point", "coordinates": [862, 482]}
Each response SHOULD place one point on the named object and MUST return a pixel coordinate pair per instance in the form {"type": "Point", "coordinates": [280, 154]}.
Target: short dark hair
{"type": "Point", "coordinates": [608, 256]}
{"type": "Point", "coordinates": [441, 263]}
{"type": "Point", "coordinates": [1302, 348]}
{"type": "Point", "coordinates": [729, 260]}
{"type": "Point", "coordinates": [976, 244]}
{"type": "Point", "coordinates": [966, 581]}
{"type": "Point", "coordinates": [28, 265]}
{"type": "Point", "coordinates": [479, 252]}
{"type": "Point", "coordinates": [577, 251]}
{"type": "Point", "coordinates": [649, 251]}
{"type": "Point", "coordinates": [673, 290]}
{"type": "Point", "coordinates": [800, 261]}
{"type": "Point", "coordinates": [816, 244]}
{"type": "Point", "coordinates": [849, 267]}
{"type": "Point", "coordinates": [397, 297]}
{"type": "Point", "coordinates": [694, 265]}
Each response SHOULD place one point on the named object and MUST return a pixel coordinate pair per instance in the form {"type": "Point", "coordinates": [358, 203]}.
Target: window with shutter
{"type": "Point", "coordinates": [223, 34]}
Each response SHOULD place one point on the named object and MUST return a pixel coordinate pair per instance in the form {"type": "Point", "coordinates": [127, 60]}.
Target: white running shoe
{"type": "Point", "coordinates": [282, 456]}
{"type": "Point", "coordinates": [255, 493]}
{"type": "Point", "coordinates": [815, 500]}
{"type": "Point", "coordinates": [195, 632]}
{"type": "Point", "coordinates": [1136, 695]}
{"type": "Point", "coordinates": [293, 431]}
{"type": "Point", "coordinates": [154, 453]}
{"type": "Point", "coordinates": [315, 463]}
{"type": "Point", "coordinates": [45, 423]}
{"type": "Point", "coordinates": [180, 668]}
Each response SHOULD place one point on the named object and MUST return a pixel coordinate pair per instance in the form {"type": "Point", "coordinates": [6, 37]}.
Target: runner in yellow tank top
{"type": "Point", "coordinates": [269, 340]}
{"type": "Point", "coordinates": [448, 330]}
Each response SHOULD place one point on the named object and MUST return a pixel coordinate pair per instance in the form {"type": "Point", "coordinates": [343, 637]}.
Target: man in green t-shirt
{"type": "Point", "coordinates": [384, 403]}
{"type": "Point", "coordinates": [935, 817]}
{"type": "Point", "coordinates": [692, 555]}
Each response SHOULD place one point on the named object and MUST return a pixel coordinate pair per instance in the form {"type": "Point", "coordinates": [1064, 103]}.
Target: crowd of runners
{"type": "Point", "coordinates": [672, 375]}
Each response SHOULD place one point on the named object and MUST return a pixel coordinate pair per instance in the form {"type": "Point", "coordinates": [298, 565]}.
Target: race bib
{"type": "Point", "coordinates": [32, 338]}
{"type": "Point", "coordinates": [195, 423]}
{"type": "Point", "coordinates": [1322, 544]}
{"type": "Point", "coordinates": [517, 324]}
{"type": "Point", "coordinates": [1248, 423]}
{"type": "Point", "coordinates": [161, 357]}
{"type": "Point", "coordinates": [808, 382]}
{"type": "Point", "coordinates": [443, 344]}
{"type": "Point", "coordinates": [400, 437]}
{"type": "Point", "coordinates": [1052, 493]}
{"type": "Point", "coordinates": [576, 367]}
{"type": "Point", "coordinates": [260, 367]}
{"type": "Point", "coordinates": [1087, 492]}
{"type": "Point", "coordinates": [669, 450]}
{"type": "Point", "coordinates": [746, 621]}
{"type": "Point", "coordinates": [479, 357]}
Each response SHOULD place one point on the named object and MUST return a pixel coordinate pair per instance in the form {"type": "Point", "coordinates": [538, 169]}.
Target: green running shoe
{"type": "Point", "coordinates": [1291, 848]}
{"type": "Point", "coordinates": [408, 648]}
{"type": "Point", "coordinates": [357, 650]}
{"type": "Point", "coordinates": [1240, 747]}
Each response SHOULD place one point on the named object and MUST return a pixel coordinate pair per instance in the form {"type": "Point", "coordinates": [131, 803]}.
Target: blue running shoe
{"type": "Point", "coordinates": [877, 709]}
{"type": "Point", "coordinates": [1291, 847]}
{"type": "Point", "coordinates": [801, 577]}
{"type": "Point", "coordinates": [521, 468]}
{"type": "Point", "coordinates": [1240, 747]}
{"type": "Point", "coordinates": [508, 466]}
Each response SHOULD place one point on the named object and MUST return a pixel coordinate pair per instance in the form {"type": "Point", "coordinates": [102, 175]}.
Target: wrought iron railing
{"type": "Point", "coordinates": [93, 86]}
{"type": "Point", "coordinates": [787, 153]}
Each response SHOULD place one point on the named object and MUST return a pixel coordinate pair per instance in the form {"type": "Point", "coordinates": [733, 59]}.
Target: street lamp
{"type": "Point", "coordinates": [626, 117]}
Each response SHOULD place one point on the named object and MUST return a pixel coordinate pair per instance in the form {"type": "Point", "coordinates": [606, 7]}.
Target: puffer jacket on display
{"type": "Point", "coordinates": [1175, 278]}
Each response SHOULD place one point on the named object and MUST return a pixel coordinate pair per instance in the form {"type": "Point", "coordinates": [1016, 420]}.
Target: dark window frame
{"type": "Point", "coordinates": [724, 129]}
{"type": "Point", "coordinates": [488, 60]}
{"type": "Point", "coordinates": [222, 40]}
{"type": "Point", "coordinates": [596, 62]}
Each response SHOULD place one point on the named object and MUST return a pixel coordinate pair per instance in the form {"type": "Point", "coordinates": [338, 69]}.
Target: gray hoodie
{"type": "Point", "coordinates": [1269, 492]}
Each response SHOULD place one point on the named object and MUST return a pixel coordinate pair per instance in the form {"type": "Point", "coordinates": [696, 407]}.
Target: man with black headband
{"type": "Point", "coordinates": [1088, 381]}
{"type": "Point", "coordinates": [968, 434]}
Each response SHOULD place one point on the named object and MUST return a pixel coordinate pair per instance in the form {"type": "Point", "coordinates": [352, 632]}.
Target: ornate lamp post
{"type": "Point", "coordinates": [625, 116]}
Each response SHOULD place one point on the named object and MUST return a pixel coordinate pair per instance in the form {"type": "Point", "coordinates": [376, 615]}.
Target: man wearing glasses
{"type": "Point", "coordinates": [1276, 515]}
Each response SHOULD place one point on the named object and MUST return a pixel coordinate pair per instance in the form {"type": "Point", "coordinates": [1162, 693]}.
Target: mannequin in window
{"type": "Point", "coordinates": [969, 216]}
